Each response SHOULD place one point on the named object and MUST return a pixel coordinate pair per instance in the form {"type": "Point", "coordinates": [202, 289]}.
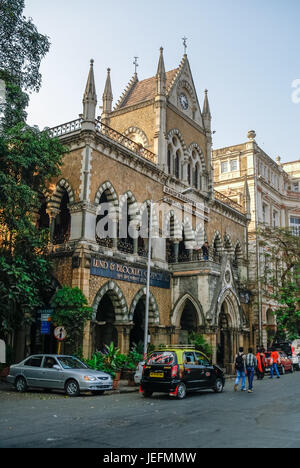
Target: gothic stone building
{"type": "Point", "coordinates": [154, 145]}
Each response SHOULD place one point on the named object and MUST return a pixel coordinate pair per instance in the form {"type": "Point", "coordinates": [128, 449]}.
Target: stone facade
{"type": "Point", "coordinates": [244, 172]}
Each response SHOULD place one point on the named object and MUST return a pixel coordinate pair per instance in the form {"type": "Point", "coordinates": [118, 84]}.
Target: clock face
{"type": "Point", "coordinates": [184, 101]}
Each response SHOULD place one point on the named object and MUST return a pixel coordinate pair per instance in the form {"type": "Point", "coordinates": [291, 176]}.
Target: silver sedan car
{"type": "Point", "coordinates": [49, 371]}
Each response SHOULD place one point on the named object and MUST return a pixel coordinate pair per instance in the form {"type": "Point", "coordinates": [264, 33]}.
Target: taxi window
{"type": "Point", "coordinates": [202, 361]}
{"type": "Point", "coordinates": [163, 357]}
{"type": "Point", "coordinates": [189, 358]}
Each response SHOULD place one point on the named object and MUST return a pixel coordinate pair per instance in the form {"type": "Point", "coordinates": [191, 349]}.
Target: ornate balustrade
{"type": "Point", "coordinates": [107, 131]}
{"type": "Point", "coordinates": [219, 196]}
{"type": "Point", "coordinates": [125, 141]}
{"type": "Point", "coordinates": [66, 128]}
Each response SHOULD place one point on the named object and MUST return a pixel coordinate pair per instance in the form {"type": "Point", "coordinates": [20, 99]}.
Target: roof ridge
{"type": "Point", "coordinates": [127, 91]}
{"type": "Point", "coordinates": [182, 63]}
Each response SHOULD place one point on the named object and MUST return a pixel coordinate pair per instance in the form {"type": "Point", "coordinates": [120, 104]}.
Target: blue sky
{"type": "Point", "coordinates": [245, 52]}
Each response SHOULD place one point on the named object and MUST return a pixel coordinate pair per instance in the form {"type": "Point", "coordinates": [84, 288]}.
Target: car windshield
{"type": "Point", "coordinates": [161, 357]}
{"type": "Point", "coordinates": [71, 363]}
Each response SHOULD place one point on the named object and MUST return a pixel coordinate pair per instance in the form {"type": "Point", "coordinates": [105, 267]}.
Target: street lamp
{"type": "Point", "coordinates": [152, 203]}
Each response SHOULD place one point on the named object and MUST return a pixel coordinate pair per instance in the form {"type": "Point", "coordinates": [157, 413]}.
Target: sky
{"type": "Point", "coordinates": [245, 52]}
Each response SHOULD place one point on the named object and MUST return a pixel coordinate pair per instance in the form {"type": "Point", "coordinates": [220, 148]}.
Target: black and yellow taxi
{"type": "Point", "coordinates": [177, 370]}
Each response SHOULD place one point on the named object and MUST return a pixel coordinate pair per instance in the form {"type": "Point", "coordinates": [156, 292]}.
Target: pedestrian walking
{"type": "Point", "coordinates": [261, 364]}
{"type": "Point", "coordinates": [251, 364]}
{"type": "Point", "coordinates": [240, 368]}
{"type": "Point", "coordinates": [275, 359]}
{"type": "Point", "coordinates": [205, 251]}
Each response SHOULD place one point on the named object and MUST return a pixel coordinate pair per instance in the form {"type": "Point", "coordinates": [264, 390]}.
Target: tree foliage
{"type": "Point", "coordinates": [72, 312]}
{"type": "Point", "coordinates": [28, 160]}
{"type": "Point", "coordinates": [282, 277]}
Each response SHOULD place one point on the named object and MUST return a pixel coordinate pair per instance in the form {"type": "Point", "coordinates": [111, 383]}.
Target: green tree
{"type": "Point", "coordinates": [28, 160]}
{"type": "Point", "coordinates": [282, 277]}
{"type": "Point", "coordinates": [71, 312]}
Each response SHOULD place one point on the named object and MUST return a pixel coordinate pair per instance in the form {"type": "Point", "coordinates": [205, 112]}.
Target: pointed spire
{"type": "Point", "coordinates": [90, 96]}
{"type": "Point", "coordinates": [161, 77]}
{"type": "Point", "coordinates": [247, 199]}
{"type": "Point", "coordinates": [206, 107]}
{"type": "Point", "coordinates": [107, 95]}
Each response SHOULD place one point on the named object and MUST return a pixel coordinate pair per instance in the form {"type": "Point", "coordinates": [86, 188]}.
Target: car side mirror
{"type": "Point", "coordinates": [56, 367]}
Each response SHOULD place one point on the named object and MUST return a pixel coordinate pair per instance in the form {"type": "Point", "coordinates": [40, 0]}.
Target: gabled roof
{"type": "Point", "coordinates": [145, 90]}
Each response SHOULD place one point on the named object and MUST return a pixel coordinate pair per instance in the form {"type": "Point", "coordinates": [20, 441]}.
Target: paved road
{"type": "Point", "coordinates": [270, 417]}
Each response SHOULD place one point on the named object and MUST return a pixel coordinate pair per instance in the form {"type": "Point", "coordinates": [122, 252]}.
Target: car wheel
{"type": "Point", "coordinates": [147, 393]}
{"type": "Point", "coordinates": [181, 391]}
{"type": "Point", "coordinates": [282, 370]}
{"type": "Point", "coordinates": [72, 388]}
{"type": "Point", "coordinates": [21, 385]}
{"type": "Point", "coordinates": [292, 369]}
{"type": "Point", "coordinates": [219, 386]}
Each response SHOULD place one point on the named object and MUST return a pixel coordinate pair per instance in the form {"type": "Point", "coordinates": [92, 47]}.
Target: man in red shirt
{"type": "Point", "coordinates": [274, 360]}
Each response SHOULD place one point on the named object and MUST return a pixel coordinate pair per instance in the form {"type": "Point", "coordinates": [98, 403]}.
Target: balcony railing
{"type": "Point", "coordinates": [125, 141]}
{"type": "Point", "coordinates": [219, 196]}
{"type": "Point", "coordinates": [75, 125]}
{"type": "Point", "coordinates": [194, 257]}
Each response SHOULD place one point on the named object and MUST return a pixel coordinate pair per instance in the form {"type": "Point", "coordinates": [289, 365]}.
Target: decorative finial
{"type": "Point", "coordinates": [136, 65]}
{"type": "Point", "coordinates": [251, 135]}
{"type": "Point", "coordinates": [184, 39]}
{"type": "Point", "coordinates": [92, 62]}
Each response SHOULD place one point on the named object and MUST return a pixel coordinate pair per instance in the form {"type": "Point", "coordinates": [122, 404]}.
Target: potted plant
{"type": "Point", "coordinates": [111, 363]}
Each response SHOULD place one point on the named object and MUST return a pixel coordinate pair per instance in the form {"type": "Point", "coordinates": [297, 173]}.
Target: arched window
{"type": "Point", "coordinates": [169, 161]}
{"type": "Point", "coordinates": [177, 164]}
{"type": "Point", "coordinates": [189, 175]}
{"type": "Point", "coordinates": [196, 176]}
{"type": "Point", "coordinates": [62, 221]}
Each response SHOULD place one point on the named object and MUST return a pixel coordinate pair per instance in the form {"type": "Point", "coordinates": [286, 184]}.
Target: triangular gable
{"type": "Point", "coordinates": [184, 82]}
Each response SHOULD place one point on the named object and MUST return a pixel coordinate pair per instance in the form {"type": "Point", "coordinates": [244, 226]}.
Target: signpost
{"type": "Point", "coordinates": [60, 334]}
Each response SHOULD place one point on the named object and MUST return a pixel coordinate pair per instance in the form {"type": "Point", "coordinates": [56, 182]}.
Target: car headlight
{"type": "Point", "coordinates": [88, 378]}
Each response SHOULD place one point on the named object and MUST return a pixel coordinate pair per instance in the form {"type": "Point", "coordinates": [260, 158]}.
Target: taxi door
{"type": "Point", "coordinates": [190, 371]}
{"type": "Point", "coordinates": [205, 371]}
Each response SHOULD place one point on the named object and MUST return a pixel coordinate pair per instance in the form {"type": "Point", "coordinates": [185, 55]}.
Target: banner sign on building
{"type": "Point", "coordinates": [131, 274]}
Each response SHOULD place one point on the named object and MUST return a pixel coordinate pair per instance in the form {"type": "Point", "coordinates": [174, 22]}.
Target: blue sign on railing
{"type": "Point", "coordinates": [131, 274]}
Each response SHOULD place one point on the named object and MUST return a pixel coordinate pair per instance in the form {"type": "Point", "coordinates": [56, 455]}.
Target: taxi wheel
{"type": "Point", "coordinates": [181, 391]}
{"type": "Point", "coordinates": [21, 385]}
{"type": "Point", "coordinates": [147, 393]}
{"type": "Point", "coordinates": [219, 386]}
{"type": "Point", "coordinates": [72, 388]}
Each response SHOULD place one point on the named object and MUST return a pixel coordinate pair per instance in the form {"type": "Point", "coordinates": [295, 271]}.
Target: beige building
{"type": "Point", "coordinates": [272, 190]}
{"type": "Point", "coordinates": [155, 144]}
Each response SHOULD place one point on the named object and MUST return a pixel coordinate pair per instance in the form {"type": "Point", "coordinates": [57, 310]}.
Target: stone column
{"type": "Point", "coordinates": [52, 213]}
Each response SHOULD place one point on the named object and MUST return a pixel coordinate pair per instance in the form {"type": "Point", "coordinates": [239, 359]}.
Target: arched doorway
{"type": "Point", "coordinates": [137, 317]}
{"type": "Point", "coordinates": [188, 322]}
{"type": "Point", "coordinates": [138, 330]}
{"type": "Point", "coordinates": [105, 331]}
{"type": "Point", "coordinates": [110, 313]}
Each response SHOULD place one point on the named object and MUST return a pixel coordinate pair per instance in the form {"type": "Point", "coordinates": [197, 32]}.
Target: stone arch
{"type": "Point", "coordinates": [55, 200]}
{"type": "Point", "coordinates": [238, 253]}
{"type": "Point", "coordinates": [154, 317]}
{"type": "Point", "coordinates": [228, 246]}
{"type": "Point", "coordinates": [141, 135]}
{"type": "Point", "coordinates": [189, 233]}
{"type": "Point", "coordinates": [112, 197]}
{"type": "Point", "coordinates": [194, 147]}
{"type": "Point", "coordinates": [200, 235]}
{"type": "Point", "coordinates": [230, 298]}
{"type": "Point", "coordinates": [217, 242]}
{"type": "Point", "coordinates": [118, 299]}
{"type": "Point", "coordinates": [176, 132]}
{"type": "Point", "coordinates": [155, 223]}
{"type": "Point", "coordinates": [172, 228]}
{"type": "Point", "coordinates": [179, 308]}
